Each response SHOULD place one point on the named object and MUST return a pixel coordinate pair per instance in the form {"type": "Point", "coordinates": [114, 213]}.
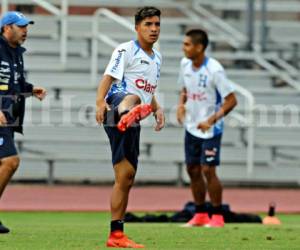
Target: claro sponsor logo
{"type": "Point", "coordinates": [201, 96]}
{"type": "Point", "coordinates": [117, 60]}
{"type": "Point", "coordinates": [145, 85]}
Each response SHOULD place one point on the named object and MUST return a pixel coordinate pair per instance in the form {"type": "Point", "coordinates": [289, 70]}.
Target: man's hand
{"type": "Point", "coordinates": [180, 113]}
{"type": "Point", "coordinates": [3, 120]}
{"type": "Point", "coordinates": [101, 108]}
{"type": "Point", "coordinates": [39, 93]}
{"type": "Point", "coordinates": [160, 119]}
{"type": "Point", "coordinates": [206, 125]}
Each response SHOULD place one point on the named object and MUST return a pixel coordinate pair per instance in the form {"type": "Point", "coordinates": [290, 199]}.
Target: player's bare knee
{"type": "Point", "coordinates": [129, 179]}
{"type": "Point", "coordinates": [130, 184]}
{"type": "Point", "coordinates": [207, 173]}
{"type": "Point", "coordinates": [13, 163]}
{"type": "Point", "coordinates": [194, 171]}
{"type": "Point", "coordinates": [126, 181]}
{"type": "Point", "coordinates": [126, 185]}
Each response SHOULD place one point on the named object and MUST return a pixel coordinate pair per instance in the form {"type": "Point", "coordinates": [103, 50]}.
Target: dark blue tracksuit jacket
{"type": "Point", "coordinates": [13, 86]}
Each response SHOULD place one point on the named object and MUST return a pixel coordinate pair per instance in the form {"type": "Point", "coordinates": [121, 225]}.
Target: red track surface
{"type": "Point", "coordinates": [96, 198]}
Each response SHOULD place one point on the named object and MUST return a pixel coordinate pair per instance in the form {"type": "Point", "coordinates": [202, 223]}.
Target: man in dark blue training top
{"type": "Point", "coordinates": [13, 91]}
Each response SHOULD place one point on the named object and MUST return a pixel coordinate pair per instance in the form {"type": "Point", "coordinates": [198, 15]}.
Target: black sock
{"type": "Point", "coordinates": [217, 210]}
{"type": "Point", "coordinates": [117, 225]}
{"type": "Point", "coordinates": [201, 208]}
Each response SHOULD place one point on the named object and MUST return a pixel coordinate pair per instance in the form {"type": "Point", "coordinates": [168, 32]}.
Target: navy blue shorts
{"type": "Point", "coordinates": [126, 144]}
{"type": "Point", "coordinates": [7, 145]}
{"type": "Point", "coordinates": [200, 151]}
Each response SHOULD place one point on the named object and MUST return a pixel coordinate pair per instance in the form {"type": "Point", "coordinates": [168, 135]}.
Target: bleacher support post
{"type": "Point", "coordinates": [263, 28]}
{"type": "Point", "coordinates": [179, 181]}
{"type": "Point", "coordinates": [50, 180]}
{"type": "Point", "coordinates": [250, 24]}
{"type": "Point", "coordinates": [296, 58]}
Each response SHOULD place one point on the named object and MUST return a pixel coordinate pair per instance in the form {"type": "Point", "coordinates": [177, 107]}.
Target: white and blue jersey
{"type": "Point", "coordinates": [206, 88]}
{"type": "Point", "coordinates": [134, 70]}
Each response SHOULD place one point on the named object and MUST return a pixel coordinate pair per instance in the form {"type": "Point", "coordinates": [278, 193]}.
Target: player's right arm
{"type": "Point", "coordinates": [102, 91]}
{"type": "Point", "coordinates": [114, 71]}
{"type": "Point", "coordinates": [180, 113]}
{"type": "Point", "coordinates": [180, 107]}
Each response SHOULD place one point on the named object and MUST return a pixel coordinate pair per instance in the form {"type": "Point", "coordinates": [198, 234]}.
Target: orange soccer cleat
{"type": "Point", "coordinates": [217, 220]}
{"type": "Point", "coordinates": [198, 220]}
{"type": "Point", "coordinates": [136, 114]}
{"type": "Point", "coordinates": [118, 239]}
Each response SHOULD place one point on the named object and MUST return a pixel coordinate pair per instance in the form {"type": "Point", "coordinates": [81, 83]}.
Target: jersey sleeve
{"type": "Point", "coordinates": [117, 63]}
{"type": "Point", "coordinates": [222, 83]}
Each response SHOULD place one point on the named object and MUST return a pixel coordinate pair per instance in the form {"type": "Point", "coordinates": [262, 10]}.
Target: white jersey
{"type": "Point", "coordinates": [206, 88]}
{"type": "Point", "coordinates": [134, 70]}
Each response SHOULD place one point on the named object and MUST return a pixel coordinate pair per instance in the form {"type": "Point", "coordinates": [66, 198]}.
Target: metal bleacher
{"type": "Point", "coordinates": [62, 141]}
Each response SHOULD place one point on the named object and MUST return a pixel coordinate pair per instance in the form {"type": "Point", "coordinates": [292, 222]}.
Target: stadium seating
{"type": "Point", "coordinates": [62, 140]}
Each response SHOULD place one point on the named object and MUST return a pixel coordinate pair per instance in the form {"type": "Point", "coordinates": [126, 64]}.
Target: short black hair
{"type": "Point", "coordinates": [198, 36]}
{"type": "Point", "coordinates": [145, 12]}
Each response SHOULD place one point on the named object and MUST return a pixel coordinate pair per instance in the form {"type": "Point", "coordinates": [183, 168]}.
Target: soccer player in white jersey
{"type": "Point", "coordinates": [206, 97]}
{"type": "Point", "coordinates": [126, 94]}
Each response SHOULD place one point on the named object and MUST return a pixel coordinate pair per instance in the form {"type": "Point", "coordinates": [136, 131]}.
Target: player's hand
{"type": "Point", "coordinates": [180, 114]}
{"type": "Point", "coordinates": [101, 108]}
{"type": "Point", "coordinates": [204, 126]}
{"type": "Point", "coordinates": [39, 93]}
{"type": "Point", "coordinates": [3, 120]}
{"type": "Point", "coordinates": [160, 119]}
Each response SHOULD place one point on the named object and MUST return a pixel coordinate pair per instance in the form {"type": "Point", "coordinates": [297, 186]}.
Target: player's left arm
{"type": "Point", "coordinates": [230, 102]}
{"type": "Point", "coordinates": [158, 114]}
{"type": "Point", "coordinates": [226, 90]}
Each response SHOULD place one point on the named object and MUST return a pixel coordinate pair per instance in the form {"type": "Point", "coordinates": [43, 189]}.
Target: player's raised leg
{"type": "Point", "coordinates": [131, 111]}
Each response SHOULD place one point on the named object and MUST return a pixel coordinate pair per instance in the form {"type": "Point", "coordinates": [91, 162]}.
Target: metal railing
{"type": "Point", "coordinates": [61, 13]}
{"type": "Point", "coordinates": [96, 37]}
{"type": "Point", "coordinates": [235, 37]}
{"type": "Point", "coordinates": [286, 74]}
{"type": "Point", "coordinates": [269, 61]}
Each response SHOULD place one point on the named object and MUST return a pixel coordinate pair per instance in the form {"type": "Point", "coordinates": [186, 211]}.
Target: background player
{"type": "Point", "coordinates": [206, 97]}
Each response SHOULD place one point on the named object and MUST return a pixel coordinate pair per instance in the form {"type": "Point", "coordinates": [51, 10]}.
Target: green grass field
{"type": "Point", "coordinates": [86, 231]}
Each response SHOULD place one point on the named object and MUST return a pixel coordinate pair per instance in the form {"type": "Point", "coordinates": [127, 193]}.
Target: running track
{"type": "Point", "coordinates": [96, 198]}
